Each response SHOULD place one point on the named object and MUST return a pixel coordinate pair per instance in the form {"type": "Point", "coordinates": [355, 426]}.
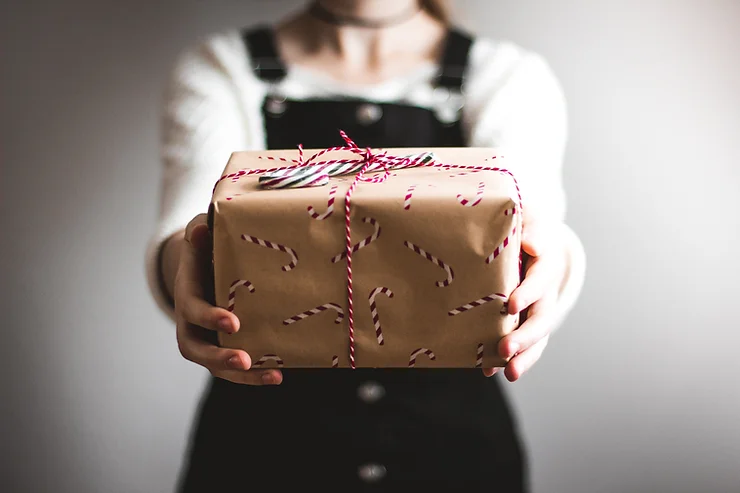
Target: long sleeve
{"type": "Point", "coordinates": [515, 103]}
{"type": "Point", "coordinates": [204, 119]}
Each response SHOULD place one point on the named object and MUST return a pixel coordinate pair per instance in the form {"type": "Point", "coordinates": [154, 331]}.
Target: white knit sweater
{"type": "Point", "coordinates": [212, 107]}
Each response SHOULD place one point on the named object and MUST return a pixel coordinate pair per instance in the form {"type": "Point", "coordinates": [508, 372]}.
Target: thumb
{"type": "Point", "coordinates": [197, 233]}
{"type": "Point", "coordinates": [540, 237]}
{"type": "Point", "coordinates": [533, 239]}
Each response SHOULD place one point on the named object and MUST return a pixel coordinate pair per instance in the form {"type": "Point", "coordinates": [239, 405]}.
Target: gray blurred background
{"type": "Point", "coordinates": [638, 392]}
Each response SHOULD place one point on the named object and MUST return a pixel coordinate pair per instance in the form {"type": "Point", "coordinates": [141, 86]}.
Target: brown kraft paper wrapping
{"type": "Point", "coordinates": [284, 266]}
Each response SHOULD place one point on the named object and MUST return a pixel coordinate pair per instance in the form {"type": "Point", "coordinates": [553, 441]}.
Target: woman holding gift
{"type": "Point", "coordinates": [391, 73]}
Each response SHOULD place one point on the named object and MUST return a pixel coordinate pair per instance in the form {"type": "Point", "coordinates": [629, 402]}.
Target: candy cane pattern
{"type": "Point", "coordinates": [374, 311]}
{"type": "Point", "coordinates": [434, 260]}
{"type": "Point", "coordinates": [479, 356]}
{"type": "Point", "coordinates": [314, 311]}
{"type": "Point", "coordinates": [497, 251]}
{"type": "Point", "coordinates": [329, 206]}
{"type": "Point", "coordinates": [409, 194]}
{"type": "Point", "coordinates": [232, 291]}
{"type": "Point", "coordinates": [463, 173]}
{"type": "Point", "coordinates": [476, 200]}
{"type": "Point", "coordinates": [421, 350]}
{"type": "Point", "coordinates": [269, 357]}
{"type": "Point", "coordinates": [275, 246]}
{"type": "Point", "coordinates": [407, 199]}
{"type": "Point", "coordinates": [510, 212]}
{"type": "Point", "coordinates": [364, 242]}
{"type": "Point", "coordinates": [485, 299]}
{"type": "Point", "coordinates": [335, 361]}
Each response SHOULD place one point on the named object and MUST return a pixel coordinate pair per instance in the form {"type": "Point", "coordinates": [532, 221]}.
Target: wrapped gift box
{"type": "Point", "coordinates": [435, 255]}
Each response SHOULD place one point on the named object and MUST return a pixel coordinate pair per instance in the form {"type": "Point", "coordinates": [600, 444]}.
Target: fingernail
{"type": "Point", "coordinates": [235, 362]}
{"type": "Point", "coordinates": [225, 324]}
{"type": "Point", "coordinates": [268, 378]}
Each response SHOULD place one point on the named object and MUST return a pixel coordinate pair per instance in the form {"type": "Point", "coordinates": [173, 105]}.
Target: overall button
{"type": "Point", "coordinates": [367, 114]}
{"type": "Point", "coordinates": [447, 116]}
{"type": "Point", "coordinates": [371, 473]}
{"type": "Point", "coordinates": [370, 392]}
{"type": "Point", "coordinates": [276, 106]}
{"type": "Point", "coordinates": [448, 105]}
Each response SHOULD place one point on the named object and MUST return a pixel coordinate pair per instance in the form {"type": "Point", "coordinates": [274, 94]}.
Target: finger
{"type": "Point", "coordinates": [198, 311]}
{"type": "Point", "coordinates": [522, 362]}
{"type": "Point", "coordinates": [230, 364]}
{"type": "Point", "coordinates": [195, 253]}
{"type": "Point", "coordinates": [190, 299]}
{"type": "Point", "coordinates": [196, 348]}
{"type": "Point", "coordinates": [541, 273]}
{"type": "Point", "coordinates": [197, 236]}
{"type": "Point", "coordinates": [533, 239]}
{"type": "Point", "coordinates": [252, 377]}
{"type": "Point", "coordinates": [537, 326]}
{"type": "Point", "coordinates": [538, 237]}
{"type": "Point", "coordinates": [196, 223]}
{"type": "Point", "coordinates": [489, 372]}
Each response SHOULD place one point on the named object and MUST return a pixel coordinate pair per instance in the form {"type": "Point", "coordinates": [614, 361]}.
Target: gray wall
{"type": "Point", "coordinates": [637, 393]}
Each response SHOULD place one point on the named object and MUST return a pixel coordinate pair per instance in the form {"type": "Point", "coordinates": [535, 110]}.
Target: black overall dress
{"type": "Point", "coordinates": [344, 430]}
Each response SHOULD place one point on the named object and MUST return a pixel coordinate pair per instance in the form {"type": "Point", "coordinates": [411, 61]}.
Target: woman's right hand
{"type": "Point", "coordinates": [196, 318]}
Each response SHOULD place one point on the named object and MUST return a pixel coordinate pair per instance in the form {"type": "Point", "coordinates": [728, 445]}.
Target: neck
{"type": "Point", "coordinates": [394, 21]}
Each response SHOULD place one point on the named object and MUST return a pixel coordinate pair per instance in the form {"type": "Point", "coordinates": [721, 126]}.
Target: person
{"type": "Point", "coordinates": [391, 73]}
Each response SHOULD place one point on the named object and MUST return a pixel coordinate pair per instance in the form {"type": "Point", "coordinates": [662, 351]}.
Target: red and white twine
{"type": "Point", "coordinates": [366, 161]}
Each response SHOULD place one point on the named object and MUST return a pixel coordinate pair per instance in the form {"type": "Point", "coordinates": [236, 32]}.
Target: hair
{"type": "Point", "coordinates": [440, 9]}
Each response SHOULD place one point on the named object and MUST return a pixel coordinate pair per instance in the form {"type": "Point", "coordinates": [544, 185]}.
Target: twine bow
{"type": "Point", "coordinates": [310, 173]}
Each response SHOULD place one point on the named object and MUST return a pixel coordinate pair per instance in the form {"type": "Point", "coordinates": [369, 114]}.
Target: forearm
{"type": "Point", "coordinates": [169, 259]}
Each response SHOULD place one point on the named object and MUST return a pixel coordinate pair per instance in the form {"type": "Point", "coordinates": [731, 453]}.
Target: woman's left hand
{"type": "Point", "coordinates": [538, 294]}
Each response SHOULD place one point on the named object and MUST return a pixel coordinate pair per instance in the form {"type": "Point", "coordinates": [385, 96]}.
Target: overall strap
{"type": "Point", "coordinates": [454, 60]}
{"type": "Point", "coordinates": [268, 66]}
{"type": "Point", "coordinates": [266, 63]}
